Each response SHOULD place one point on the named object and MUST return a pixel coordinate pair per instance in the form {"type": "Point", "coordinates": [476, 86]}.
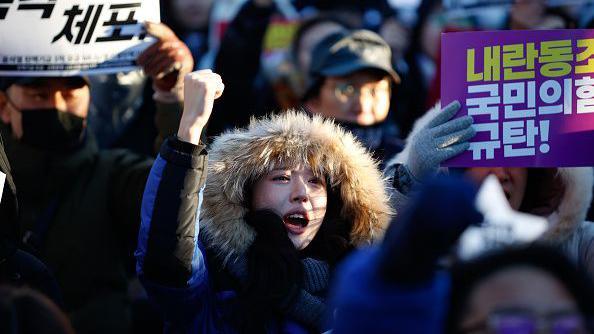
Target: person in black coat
{"type": "Point", "coordinates": [17, 267]}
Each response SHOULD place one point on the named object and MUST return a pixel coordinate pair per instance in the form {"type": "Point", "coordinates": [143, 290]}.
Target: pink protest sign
{"type": "Point", "coordinates": [530, 93]}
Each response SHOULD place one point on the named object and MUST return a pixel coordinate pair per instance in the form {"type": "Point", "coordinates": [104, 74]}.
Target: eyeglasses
{"type": "Point", "coordinates": [347, 91]}
{"type": "Point", "coordinates": [528, 323]}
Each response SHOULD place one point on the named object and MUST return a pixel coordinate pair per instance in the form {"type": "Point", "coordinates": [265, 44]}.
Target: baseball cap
{"type": "Point", "coordinates": [343, 53]}
{"type": "Point", "coordinates": [6, 82]}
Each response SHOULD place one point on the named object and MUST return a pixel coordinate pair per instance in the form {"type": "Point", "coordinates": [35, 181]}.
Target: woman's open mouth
{"type": "Point", "coordinates": [296, 222]}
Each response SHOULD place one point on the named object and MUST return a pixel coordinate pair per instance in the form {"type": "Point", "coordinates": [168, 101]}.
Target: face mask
{"type": "Point", "coordinates": [370, 135]}
{"type": "Point", "coordinates": [50, 129]}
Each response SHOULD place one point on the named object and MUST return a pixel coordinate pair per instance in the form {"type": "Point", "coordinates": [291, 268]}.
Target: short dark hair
{"type": "Point", "coordinates": [467, 275]}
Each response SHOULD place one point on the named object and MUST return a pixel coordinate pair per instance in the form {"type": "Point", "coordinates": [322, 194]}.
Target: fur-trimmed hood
{"type": "Point", "coordinates": [573, 188]}
{"type": "Point", "coordinates": [289, 139]}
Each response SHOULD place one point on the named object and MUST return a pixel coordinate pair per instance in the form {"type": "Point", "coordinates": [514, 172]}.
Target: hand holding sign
{"type": "Point", "coordinates": [439, 140]}
{"type": "Point", "coordinates": [71, 38]}
{"type": "Point", "coordinates": [201, 88]}
{"type": "Point", "coordinates": [167, 61]}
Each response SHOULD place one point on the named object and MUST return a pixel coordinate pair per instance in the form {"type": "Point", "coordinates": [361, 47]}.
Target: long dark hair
{"type": "Point", "coordinates": [332, 242]}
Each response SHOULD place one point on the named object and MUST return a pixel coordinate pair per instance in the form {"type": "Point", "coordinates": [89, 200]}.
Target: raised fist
{"type": "Point", "coordinates": [201, 88]}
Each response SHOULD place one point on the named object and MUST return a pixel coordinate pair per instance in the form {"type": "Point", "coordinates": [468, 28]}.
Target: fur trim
{"type": "Point", "coordinates": [289, 139]}
{"type": "Point", "coordinates": [577, 181]}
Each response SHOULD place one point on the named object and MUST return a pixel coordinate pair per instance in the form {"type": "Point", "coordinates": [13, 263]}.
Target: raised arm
{"type": "Point", "coordinates": [170, 262]}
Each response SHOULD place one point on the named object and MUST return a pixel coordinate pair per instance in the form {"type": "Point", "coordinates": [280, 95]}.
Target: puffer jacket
{"type": "Point", "coordinates": [8, 201]}
{"type": "Point", "coordinates": [193, 226]}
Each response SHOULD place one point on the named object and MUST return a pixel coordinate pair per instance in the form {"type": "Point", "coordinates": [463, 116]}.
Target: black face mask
{"type": "Point", "coordinates": [372, 136]}
{"type": "Point", "coordinates": [51, 129]}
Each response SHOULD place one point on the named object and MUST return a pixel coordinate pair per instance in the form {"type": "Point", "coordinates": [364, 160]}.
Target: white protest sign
{"type": "Point", "coordinates": [2, 180]}
{"type": "Point", "coordinates": [72, 37]}
{"type": "Point", "coordinates": [502, 225]}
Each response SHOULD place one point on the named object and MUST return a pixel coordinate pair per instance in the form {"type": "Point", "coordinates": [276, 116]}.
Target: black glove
{"type": "Point", "coordinates": [274, 266]}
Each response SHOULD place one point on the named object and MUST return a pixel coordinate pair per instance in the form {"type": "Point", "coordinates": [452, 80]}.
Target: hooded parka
{"type": "Point", "coordinates": [193, 225]}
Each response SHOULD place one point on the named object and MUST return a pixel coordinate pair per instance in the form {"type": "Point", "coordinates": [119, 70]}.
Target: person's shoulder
{"type": "Point", "coordinates": [119, 156]}
{"type": "Point", "coordinates": [581, 241]}
{"type": "Point", "coordinates": [585, 229]}
{"type": "Point", "coordinates": [28, 263]}
{"type": "Point", "coordinates": [25, 267]}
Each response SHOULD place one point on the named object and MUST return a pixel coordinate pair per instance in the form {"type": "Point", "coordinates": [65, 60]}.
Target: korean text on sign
{"type": "Point", "coordinates": [66, 37]}
{"type": "Point", "coordinates": [525, 91]}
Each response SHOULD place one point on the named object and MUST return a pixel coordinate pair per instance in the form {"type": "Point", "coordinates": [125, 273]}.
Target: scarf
{"type": "Point", "coordinates": [308, 307]}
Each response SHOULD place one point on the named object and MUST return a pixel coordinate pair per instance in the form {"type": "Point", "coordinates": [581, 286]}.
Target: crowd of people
{"type": "Point", "coordinates": [239, 185]}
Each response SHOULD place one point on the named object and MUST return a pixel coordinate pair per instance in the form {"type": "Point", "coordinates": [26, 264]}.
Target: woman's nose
{"type": "Point", "coordinates": [299, 191]}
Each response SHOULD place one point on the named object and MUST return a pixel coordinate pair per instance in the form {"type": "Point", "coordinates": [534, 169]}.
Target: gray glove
{"type": "Point", "coordinates": [441, 139]}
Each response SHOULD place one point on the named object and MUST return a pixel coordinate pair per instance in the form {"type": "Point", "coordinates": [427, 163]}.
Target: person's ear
{"type": "Point", "coordinates": [4, 108]}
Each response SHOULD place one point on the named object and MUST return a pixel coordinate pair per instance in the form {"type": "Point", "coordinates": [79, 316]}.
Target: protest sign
{"type": "Point", "coordinates": [530, 93]}
{"type": "Point", "coordinates": [69, 37]}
